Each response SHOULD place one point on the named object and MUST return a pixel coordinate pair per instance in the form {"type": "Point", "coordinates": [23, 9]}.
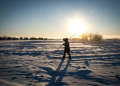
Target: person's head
{"type": "Point", "coordinates": [65, 39]}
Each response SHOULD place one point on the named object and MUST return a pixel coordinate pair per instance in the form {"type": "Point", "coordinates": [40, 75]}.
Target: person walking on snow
{"type": "Point", "coordinates": [67, 48]}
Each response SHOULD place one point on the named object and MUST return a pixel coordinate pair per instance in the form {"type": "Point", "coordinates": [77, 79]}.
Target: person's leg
{"type": "Point", "coordinates": [64, 55]}
{"type": "Point", "coordinates": [69, 55]}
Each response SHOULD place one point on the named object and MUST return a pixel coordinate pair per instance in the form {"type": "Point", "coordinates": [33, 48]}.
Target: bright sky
{"type": "Point", "coordinates": [59, 18]}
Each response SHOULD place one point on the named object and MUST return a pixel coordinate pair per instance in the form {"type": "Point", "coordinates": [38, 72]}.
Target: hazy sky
{"type": "Point", "coordinates": [51, 18]}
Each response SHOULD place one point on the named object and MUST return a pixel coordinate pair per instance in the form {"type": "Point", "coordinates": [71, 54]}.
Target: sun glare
{"type": "Point", "coordinates": [76, 26]}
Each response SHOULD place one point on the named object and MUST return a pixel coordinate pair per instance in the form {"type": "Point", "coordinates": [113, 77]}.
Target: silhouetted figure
{"type": "Point", "coordinates": [67, 48]}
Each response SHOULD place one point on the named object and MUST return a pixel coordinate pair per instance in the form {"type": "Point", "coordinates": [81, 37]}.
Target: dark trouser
{"type": "Point", "coordinates": [68, 54]}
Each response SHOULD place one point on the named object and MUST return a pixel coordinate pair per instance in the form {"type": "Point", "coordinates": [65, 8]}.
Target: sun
{"type": "Point", "coordinates": [76, 26]}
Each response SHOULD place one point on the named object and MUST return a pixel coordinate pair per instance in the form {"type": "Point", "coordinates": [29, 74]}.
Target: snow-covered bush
{"type": "Point", "coordinates": [97, 37]}
{"type": "Point", "coordinates": [84, 37]}
{"type": "Point", "coordinates": [91, 37]}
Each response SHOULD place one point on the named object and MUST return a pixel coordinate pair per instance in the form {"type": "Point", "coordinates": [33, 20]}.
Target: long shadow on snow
{"type": "Point", "coordinates": [61, 75]}
{"type": "Point", "coordinates": [82, 74]}
{"type": "Point", "coordinates": [53, 75]}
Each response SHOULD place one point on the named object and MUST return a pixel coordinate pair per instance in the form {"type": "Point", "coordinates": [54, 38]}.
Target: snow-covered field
{"type": "Point", "coordinates": [32, 63]}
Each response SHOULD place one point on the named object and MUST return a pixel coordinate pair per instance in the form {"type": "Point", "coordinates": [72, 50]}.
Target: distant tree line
{"type": "Point", "coordinates": [23, 38]}
{"type": "Point", "coordinates": [84, 37]}
{"type": "Point", "coordinates": [8, 38]}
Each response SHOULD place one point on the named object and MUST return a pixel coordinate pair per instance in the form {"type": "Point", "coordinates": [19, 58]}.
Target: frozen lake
{"type": "Point", "coordinates": [32, 63]}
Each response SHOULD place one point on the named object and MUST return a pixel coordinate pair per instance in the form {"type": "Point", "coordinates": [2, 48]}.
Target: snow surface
{"type": "Point", "coordinates": [32, 63]}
